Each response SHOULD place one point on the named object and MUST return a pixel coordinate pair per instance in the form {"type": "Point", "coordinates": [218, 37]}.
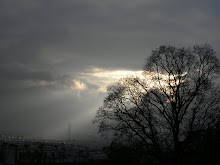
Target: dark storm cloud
{"type": "Point", "coordinates": [16, 71]}
{"type": "Point", "coordinates": [101, 29]}
{"type": "Point", "coordinates": [45, 45]}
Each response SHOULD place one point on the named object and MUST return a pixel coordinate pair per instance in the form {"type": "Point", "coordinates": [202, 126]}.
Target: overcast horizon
{"type": "Point", "coordinates": [58, 57]}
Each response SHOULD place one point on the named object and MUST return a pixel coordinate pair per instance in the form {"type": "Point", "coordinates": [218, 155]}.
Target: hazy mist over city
{"type": "Point", "coordinates": [58, 56]}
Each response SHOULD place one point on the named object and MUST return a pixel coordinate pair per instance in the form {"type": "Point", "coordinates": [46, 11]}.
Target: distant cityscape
{"type": "Point", "coordinates": [30, 150]}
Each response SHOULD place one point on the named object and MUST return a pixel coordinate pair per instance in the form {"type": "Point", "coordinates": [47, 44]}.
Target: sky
{"type": "Point", "coordinates": [58, 56]}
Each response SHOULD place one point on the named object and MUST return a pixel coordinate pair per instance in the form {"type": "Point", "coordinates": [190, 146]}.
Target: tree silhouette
{"type": "Point", "coordinates": [177, 96]}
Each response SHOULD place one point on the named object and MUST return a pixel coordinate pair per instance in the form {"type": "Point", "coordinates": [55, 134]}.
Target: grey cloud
{"type": "Point", "coordinates": [85, 28]}
{"type": "Point", "coordinates": [16, 71]}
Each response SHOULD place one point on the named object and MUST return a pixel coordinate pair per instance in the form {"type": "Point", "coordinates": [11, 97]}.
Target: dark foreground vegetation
{"type": "Point", "coordinates": [202, 149]}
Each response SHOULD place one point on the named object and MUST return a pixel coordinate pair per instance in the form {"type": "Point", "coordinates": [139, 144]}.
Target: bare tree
{"type": "Point", "coordinates": [177, 95]}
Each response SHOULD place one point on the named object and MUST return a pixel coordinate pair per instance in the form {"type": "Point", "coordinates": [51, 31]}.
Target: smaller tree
{"type": "Point", "coordinates": [176, 96]}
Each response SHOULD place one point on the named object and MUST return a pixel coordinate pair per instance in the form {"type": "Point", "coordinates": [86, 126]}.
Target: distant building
{"type": "Point", "coordinates": [69, 132]}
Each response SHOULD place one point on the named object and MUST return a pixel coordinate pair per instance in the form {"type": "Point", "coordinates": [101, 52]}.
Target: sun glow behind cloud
{"type": "Point", "coordinates": [98, 79]}
{"type": "Point", "coordinates": [101, 78]}
{"type": "Point", "coordinates": [114, 74]}
{"type": "Point", "coordinates": [78, 85]}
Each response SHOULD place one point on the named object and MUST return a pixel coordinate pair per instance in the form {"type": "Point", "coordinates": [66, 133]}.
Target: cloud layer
{"type": "Point", "coordinates": [57, 56]}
